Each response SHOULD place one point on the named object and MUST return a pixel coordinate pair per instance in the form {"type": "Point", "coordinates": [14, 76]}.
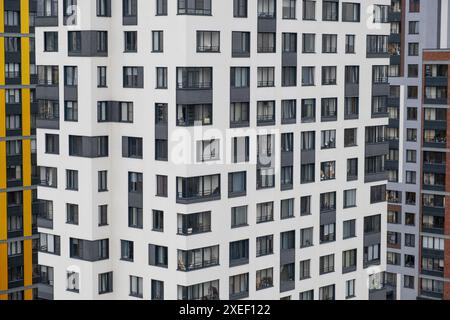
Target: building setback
{"type": "Point", "coordinates": [212, 149]}
{"type": "Point", "coordinates": [18, 196]}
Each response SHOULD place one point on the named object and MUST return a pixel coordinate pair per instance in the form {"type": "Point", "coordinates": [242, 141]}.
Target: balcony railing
{"type": "Point", "coordinates": [198, 265]}
{"type": "Point", "coordinates": [194, 229]}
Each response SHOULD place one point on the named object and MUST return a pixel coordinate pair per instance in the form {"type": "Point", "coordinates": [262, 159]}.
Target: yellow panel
{"type": "Point", "coordinates": [27, 213]}
{"type": "Point", "coordinates": [25, 62]}
{"type": "Point", "coordinates": [2, 110]}
{"type": "Point", "coordinates": [27, 263]}
{"type": "Point", "coordinates": [2, 16]}
{"type": "Point", "coordinates": [26, 124]}
{"type": "Point", "coordinates": [3, 269]}
{"type": "Point", "coordinates": [26, 162]}
{"type": "Point", "coordinates": [24, 16]}
{"type": "Point", "coordinates": [2, 168]}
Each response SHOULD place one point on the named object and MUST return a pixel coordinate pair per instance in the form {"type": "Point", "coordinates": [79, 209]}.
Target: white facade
{"type": "Point", "coordinates": [180, 51]}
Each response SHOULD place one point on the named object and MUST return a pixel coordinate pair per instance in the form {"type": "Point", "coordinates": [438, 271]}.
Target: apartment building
{"type": "Point", "coordinates": [415, 26]}
{"type": "Point", "coordinates": [434, 231]}
{"type": "Point", "coordinates": [212, 149]}
{"type": "Point", "coordinates": [18, 194]}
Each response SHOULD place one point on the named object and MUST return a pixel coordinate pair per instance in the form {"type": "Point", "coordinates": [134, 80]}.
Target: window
{"type": "Point", "coordinates": [266, 76]}
{"type": "Point", "coordinates": [70, 12]}
{"type": "Point", "coordinates": [158, 255]}
{"type": "Point", "coordinates": [48, 243]}
{"type": "Point", "coordinates": [380, 13]}
{"type": "Point", "coordinates": [266, 112]}
{"type": "Point", "coordinates": [307, 173]}
{"type": "Point", "coordinates": [327, 233]}
{"type": "Point", "coordinates": [264, 278]}
{"type": "Point", "coordinates": [240, 8]}
{"type": "Point", "coordinates": [74, 41]}
{"type": "Point", "coordinates": [327, 264]}
{"type": "Point", "coordinates": [329, 43]}
{"type": "Point", "coordinates": [349, 229]}
{"type": "Point", "coordinates": [12, 96]}
{"type": "Point", "coordinates": [289, 42]}
{"type": "Point", "coordinates": [157, 290]}
{"type": "Point", "coordinates": [309, 43]}
{"type": "Point", "coordinates": [308, 110]}
{"type": "Point", "coordinates": [288, 111]}
{"type": "Point", "coordinates": [350, 43]}
{"type": "Point", "coordinates": [377, 44]}
{"type": "Point", "coordinates": [133, 77]}
{"type": "Point", "coordinates": [132, 147]}
{"type": "Point", "coordinates": [71, 111]}
{"type": "Point", "coordinates": [289, 8]}
{"type": "Point", "coordinates": [11, 18]}
{"type": "Point", "coordinates": [240, 77]}
{"type": "Point", "coordinates": [127, 250]}
{"type": "Point", "coordinates": [161, 78]}
{"type": "Point", "coordinates": [239, 286]}
{"type": "Point", "coordinates": [329, 75]}
{"type": "Point", "coordinates": [101, 77]}
{"type": "Point", "coordinates": [51, 143]}
{"type": "Point", "coordinates": [305, 205]}
{"type": "Point", "coordinates": [306, 237]}
{"type": "Point", "coordinates": [103, 215]}
{"type": "Point", "coordinates": [350, 198]}
{"type": "Point", "coordinates": [157, 41]}
{"type": "Point", "coordinates": [264, 212]}
{"type": "Point", "coordinates": [410, 219]}
{"type": "Point", "coordinates": [239, 252]}
{"type": "Point", "coordinates": [103, 8]}
{"type": "Point", "coordinates": [194, 7]}
{"type": "Point", "coordinates": [350, 12]}
{"type": "Point", "coordinates": [102, 181]}
{"type": "Point", "coordinates": [287, 208]}
{"type": "Point", "coordinates": [238, 216]}
{"type": "Point", "coordinates": [329, 109]}
{"type": "Point", "coordinates": [208, 41]}
{"type": "Point", "coordinates": [135, 217]}
{"type": "Point", "coordinates": [264, 245]}
{"type": "Point", "coordinates": [350, 289]}
{"type": "Point", "coordinates": [129, 8]}
{"type": "Point", "coordinates": [136, 287]}
{"type": "Point", "coordinates": [306, 295]}
{"type": "Point", "coordinates": [393, 217]}
{"type": "Point", "coordinates": [161, 186]}
{"type": "Point", "coordinates": [328, 170]}
{"type": "Point", "coordinates": [289, 76]}
{"type": "Point", "coordinates": [161, 7]}
{"type": "Point", "coordinates": [372, 224]}
{"type": "Point", "coordinates": [130, 44]}
{"type": "Point", "coordinates": [328, 139]}
{"type": "Point", "coordinates": [237, 184]}
{"type": "Point", "coordinates": [309, 10]}
{"type": "Point", "coordinates": [51, 41]}
{"type": "Point", "coordinates": [410, 240]}
{"type": "Point", "coordinates": [105, 283]}
{"type": "Point", "coordinates": [414, 5]}
{"type": "Point", "coordinates": [240, 44]}
{"type": "Point", "coordinates": [412, 92]}
{"type": "Point", "coordinates": [327, 201]}
{"type": "Point", "coordinates": [408, 282]}
{"type": "Point", "coordinates": [72, 180]}
{"type": "Point", "coordinates": [305, 269]}
{"type": "Point", "coordinates": [72, 213]}
{"type": "Point", "coordinates": [308, 76]}
{"type": "Point", "coordinates": [413, 49]}
{"type": "Point", "coordinates": [330, 10]}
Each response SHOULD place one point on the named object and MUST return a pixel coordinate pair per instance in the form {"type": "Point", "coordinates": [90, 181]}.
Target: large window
{"type": "Point", "coordinates": [194, 7]}
{"type": "Point", "coordinates": [208, 41]}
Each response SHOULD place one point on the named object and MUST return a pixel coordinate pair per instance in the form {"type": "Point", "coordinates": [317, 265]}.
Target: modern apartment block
{"type": "Point", "coordinates": [435, 231]}
{"type": "Point", "coordinates": [212, 149]}
{"type": "Point", "coordinates": [415, 163]}
{"type": "Point", "coordinates": [18, 194]}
